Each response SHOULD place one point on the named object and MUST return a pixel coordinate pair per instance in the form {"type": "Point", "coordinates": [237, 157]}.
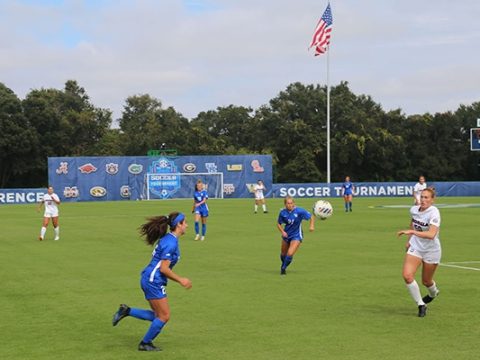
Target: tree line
{"type": "Point", "coordinates": [367, 143]}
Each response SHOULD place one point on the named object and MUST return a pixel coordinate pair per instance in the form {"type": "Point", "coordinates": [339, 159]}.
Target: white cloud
{"type": "Point", "coordinates": [197, 55]}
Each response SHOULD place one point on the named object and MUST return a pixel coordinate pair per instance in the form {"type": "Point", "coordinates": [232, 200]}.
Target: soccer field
{"type": "Point", "coordinates": [343, 297]}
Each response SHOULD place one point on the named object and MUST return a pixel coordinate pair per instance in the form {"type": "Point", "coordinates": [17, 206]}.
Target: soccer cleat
{"type": "Point", "coordinates": [147, 347]}
{"type": "Point", "coordinates": [265, 212]}
{"type": "Point", "coordinates": [422, 310]}
{"type": "Point", "coordinates": [202, 238]}
{"type": "Point", "coordinates": [40, 238]}
{"type": "Point", "coordinates": [57, 238]}
{"type": "Point", "coordinates": [254, 212]}
{"type": "Point", "coordinates": [122, 312]}
{"type": "Point", "coordinates": [283, 272]}
{"type": "Point", "coordinates": [197, 237]}
{"type": "Point", "coordinates": [428, 299]}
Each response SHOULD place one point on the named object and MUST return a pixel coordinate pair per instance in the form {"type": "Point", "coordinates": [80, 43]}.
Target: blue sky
{"type": "Point", "coordinates": [196, 55]}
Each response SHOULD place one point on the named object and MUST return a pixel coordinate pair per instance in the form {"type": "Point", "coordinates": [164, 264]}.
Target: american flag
{"type": "Point", "coordinates": [321, 36]}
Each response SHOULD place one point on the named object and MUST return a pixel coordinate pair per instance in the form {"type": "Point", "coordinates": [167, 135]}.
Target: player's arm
{"type": "Point", "coordinates": [165, 270]}
{"type": "Point", "coordinates": [404, 232]}
{"type": "Point", "coordinates": [312, 223]}
{"type": "Point", "coordinates": [429, 234]}
{"type": "Point", "coordinates": [56, 199]}
{"type": "Point", "coordinates": [282, 231]}
{"type": "Point", "coordinates": [40, 204]}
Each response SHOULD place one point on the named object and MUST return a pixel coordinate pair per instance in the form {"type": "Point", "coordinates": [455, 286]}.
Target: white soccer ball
{"type": "Point", "coordinates": [322, 209]}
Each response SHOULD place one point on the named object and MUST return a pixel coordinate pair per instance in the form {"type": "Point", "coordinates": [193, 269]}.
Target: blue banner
{"type": "Point", "coordinates": [21, 196]}
{"type": "Point", "coordinates": [125, 178]}
{"type": "Point", "coordinates": [386, 189]}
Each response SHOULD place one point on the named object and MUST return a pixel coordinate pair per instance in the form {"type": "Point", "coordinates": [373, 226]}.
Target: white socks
{"type": "Point", "coordinates": [264, 207]}
{"type": "Point", "coordinates": [414, 291]}
{"type": "Point", "coordinates": [432, 290]}
{"type": "Point", "coordinates": [42, 232]}
{"type": "Point", "coordinates": [57, 232]}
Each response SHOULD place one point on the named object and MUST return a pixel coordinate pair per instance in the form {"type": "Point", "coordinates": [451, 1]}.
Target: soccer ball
{"type": "Point", "coordinates": [322, 209]}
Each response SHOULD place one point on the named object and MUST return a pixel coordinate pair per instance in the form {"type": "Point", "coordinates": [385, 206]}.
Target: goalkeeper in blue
{"type": "Point", "coordinates": [155, 275]}
{"type": "Point", "coordinates": [292, 235]}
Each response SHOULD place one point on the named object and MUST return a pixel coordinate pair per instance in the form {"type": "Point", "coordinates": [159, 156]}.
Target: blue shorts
{"type": "Point", "coordinates": [153, 290]}
{"type": "Point", "coordinates": [288, 240]}
{"type": "Point", "coordinates": [202, 212]}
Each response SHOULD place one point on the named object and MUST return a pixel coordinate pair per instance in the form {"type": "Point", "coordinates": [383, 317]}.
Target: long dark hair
{"type": "Point", "coordinates": [156, 227]}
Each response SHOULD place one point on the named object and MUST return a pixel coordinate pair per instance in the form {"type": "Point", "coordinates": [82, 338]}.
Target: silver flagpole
{"type": "Point", "coordinates": [328, 114]}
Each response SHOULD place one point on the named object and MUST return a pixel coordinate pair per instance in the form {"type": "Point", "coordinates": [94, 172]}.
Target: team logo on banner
{"type": "Point", "coordinates": [163, 180]}
{"type": "Point", "coordinates": [62, 169]}
{"type": "Point", "coordinates": [98, 191]}
{"type": "Point", "coordinates": [228, 189]}
{"type": "Point", "coordinates": [135, 169]}
{"type": "Point", "coordinates": [71, 192]}
{"type": "Point", "coordinates": [125, 191]}
{"type": "Point", "coordinates": [234, 167]}
{"type": "Point", "coordinates": [256, 166]}
{"type": "Point", "coordinates": [87, 168]}
{"type": "Point", "coordinates": [111, 168]}
{"type": "Point", "coordinates": [189, 168]}
{"type": "Point", "coordinates": [211, 167]}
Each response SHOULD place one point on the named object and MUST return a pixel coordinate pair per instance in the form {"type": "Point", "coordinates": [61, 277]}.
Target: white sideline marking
{"type": "Point", "coordinates": [460, 267]}
{"type": "Point", "coordinates": [463, 262]}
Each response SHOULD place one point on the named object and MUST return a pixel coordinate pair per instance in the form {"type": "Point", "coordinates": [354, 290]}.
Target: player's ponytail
{"type": "Point", "coordinates": [156, 227]}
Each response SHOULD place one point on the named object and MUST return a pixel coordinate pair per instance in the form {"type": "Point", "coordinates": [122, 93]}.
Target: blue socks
{"type": "Point", "coordinates": [142, 314]}
{"type": "Point", "coordinates": [197, 227]}
{"type": "Point", "coordinates": [153, 331]}
{"type": "Point", "coordinates": [204, 229]}
{"type": "Point", "coordinates": [286, 261]}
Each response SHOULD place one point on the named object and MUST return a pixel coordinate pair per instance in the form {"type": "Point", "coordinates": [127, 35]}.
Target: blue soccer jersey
{"type": "Point", "coordinates": [347, 188]}
{"type": "Point", "coordinates": [199, 196]}
{"type": "Point", "coordinates": [166, 249]}
{"type": "Point", "coordinates": [293, 222]}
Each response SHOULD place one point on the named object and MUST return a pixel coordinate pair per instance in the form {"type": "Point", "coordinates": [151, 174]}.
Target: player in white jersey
{"type": "Point", "coordinates": [423, 248]}
{"type": "Point", "coordinates": [418, 188]}
{"type": "Point", "coordinates": [51, 202]}
{"type": "Point", "coordinates": [258, 190]}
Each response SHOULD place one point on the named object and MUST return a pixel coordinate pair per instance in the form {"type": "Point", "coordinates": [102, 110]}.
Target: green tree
{"type": "Point", "coordinates": [18, 141]}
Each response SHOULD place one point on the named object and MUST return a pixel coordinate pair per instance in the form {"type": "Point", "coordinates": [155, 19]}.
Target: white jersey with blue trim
{"type": "Point", "coordinates": [166, 249]}
{"type": "Point", "coordinates": [293, 222]}
{"type": "Point", "coordinates": [421, 221]}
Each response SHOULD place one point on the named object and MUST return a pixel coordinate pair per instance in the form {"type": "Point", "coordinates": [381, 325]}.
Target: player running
{"type": "Point", "coordinates": [155, 275]}
{"type": "Point", "coordinates": [292, 234]}
{"type": "Point", "coordinates": [200, 208]}
{"type": "Point", "coordinates": [423, 248]}
{"type": "Point", "coordinates": [51, 202]}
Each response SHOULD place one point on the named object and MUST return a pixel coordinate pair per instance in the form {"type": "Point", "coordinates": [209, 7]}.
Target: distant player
{"type": "Point", "coordinates": [348, 189]}
{"type": "Point", "coordinates": [423, 248]}
{"type": "Point", "coordinates": [155, 275]}
{"type": "Point", "coordinates": [258, 190]}
{"type": "Point", "coordinates": [292, 234]}
{"type": "Point", "coordinates": [200, 209]}
{"type": "Point", "coordinates": [51, 202]}
{"type": "Point", "coordinates": [418, 188]}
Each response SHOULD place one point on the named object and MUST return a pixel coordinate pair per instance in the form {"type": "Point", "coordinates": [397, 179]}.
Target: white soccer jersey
{"type": "Point", "coordinates": [259, 191]}
{"type": "Point", "coordinates": [421, 221]}
{"type": "Point", "coordinates": [51, 208]}
{"type": "Point", "coordinates": [417, 190]}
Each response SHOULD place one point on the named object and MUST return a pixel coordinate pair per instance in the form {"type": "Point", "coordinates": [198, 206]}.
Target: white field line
{"type": "Point", "coordinates": [460, 267]}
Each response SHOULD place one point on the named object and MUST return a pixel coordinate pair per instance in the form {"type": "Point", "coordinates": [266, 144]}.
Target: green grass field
{"type": "Point", "coordinates": [343, 297]}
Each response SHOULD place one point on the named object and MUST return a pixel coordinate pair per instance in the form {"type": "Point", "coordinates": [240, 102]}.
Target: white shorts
{"type": "Point", "coordinates": [429, 257]}
{"type": "Point", "coordinates": [50, 214]}
{"type": "Point", "coordinates": [259, 197]}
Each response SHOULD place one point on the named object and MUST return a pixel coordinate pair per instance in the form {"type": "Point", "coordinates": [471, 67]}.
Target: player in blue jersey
{"type": "Point", "coordinates": [348, 189]}
{"type": "Point", "coordinates": [200, 209]}
{"type": "Point", "coordinates": [155, 275]}
{"type": "Point", "coordinates": [292, 234]}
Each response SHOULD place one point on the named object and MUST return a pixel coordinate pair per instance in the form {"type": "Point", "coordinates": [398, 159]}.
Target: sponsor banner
{"type": "Point", "coordinates": [125, 177]}
{"type": "Point", "coordinates": [21, 196]}
{"type": "Point", "coordinates": [387, 189]}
